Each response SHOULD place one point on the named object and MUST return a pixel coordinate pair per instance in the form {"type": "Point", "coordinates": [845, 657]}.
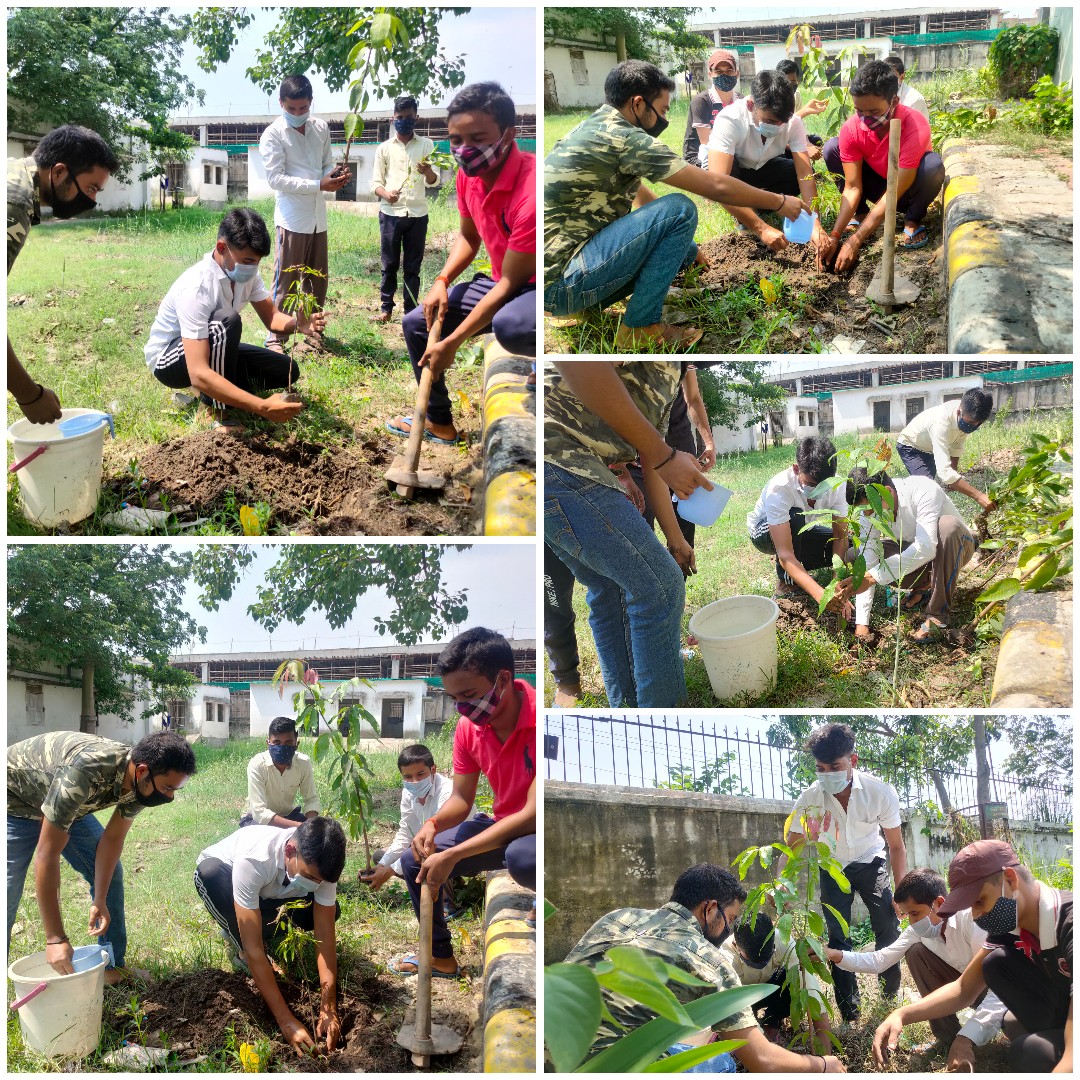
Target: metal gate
{"type": "Point", "coordinates": [239, 714]}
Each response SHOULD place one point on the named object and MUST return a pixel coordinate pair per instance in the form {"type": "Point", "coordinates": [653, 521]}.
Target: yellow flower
{"type": "Point", "coordinates": [768, 290]}
{"type": "Point", "coordinates": [249, 1058]}
{"type": "Point", "coordinates": [249, 519]}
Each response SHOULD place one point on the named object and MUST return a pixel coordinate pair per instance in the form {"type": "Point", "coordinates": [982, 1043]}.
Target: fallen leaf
{"type": "Point", "coordinates": [249, 520]}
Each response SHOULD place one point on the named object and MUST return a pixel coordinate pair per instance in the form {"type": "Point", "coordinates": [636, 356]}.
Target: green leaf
{"type": "Point", "coordinates": [658, 998]}
{"type": "Point", "coordinates": [1002, 590]}
{"type": "Point", "coordinates": [1043, 576]}
{"type": "Point", "coordinates": [380, 28]}
{"type": "Point", "coordinates": [827, 595]}
{"type": "Point", "coordinates": [836, 914]}
{"type": "Point", "coordinates": [687, 1059]}
{"type": "Point", "coordinates": [571, 1013]}
{"type": "Point", "coordinates": [353, 126]}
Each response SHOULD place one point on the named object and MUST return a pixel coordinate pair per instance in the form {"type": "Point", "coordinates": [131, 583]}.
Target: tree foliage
{"type": "Point", "coordinates": [1020, 54]}
{"type": "Point", "coordinates": [307, 39]}
{"type": "Point", "coordinates": [160, 148]}
{"type": "Point", "coordinates": [635, 33]}
{"type": "Point", "coordinates": [115, 606]}
{"type": "Point", "coordinates": [333, 579]}
{"type": "Point", "coordinates": [101, 67]}
{"type": "Point", "coordinates": [734, 389]}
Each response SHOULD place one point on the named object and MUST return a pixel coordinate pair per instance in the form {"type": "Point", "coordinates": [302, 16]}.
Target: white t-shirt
{"type": "Point", "coordinates": [782, 494]}
{"type": "Point", "coordinates": [853, 835]}
{"type": "Point", "coordinates": [256, 855]}
{"type": "Point", "coordinates": [191, 302]}
{"type": "Point", "coordinates": [296, 163]}
{"type": "Point", "coordinates": [734, 133]}
{"type": "Point", "coordinates": [911, 97]}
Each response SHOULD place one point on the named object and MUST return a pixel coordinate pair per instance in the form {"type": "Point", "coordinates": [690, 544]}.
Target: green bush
{"type": "Point", "coordinates": [1050, 110]}
{"type": "Point", "coordinates": [960, 123]}
{"type": "Point", "coordinates": [1019, 55]}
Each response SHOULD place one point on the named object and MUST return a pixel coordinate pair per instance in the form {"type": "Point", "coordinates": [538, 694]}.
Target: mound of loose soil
{"type": "Point", "coordinates": [312, 489]}
{"type": "Point", "coordinates": [835, 302]}
{"type": "Point", "coordinates": [196, 1010]}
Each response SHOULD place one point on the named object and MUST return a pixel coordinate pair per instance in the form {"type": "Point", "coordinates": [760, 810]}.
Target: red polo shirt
{"type": "Point", "coordinates": [858, 143]}
{"type": "Point", "coordinates": [510, 766]}
{"type": "Point", "coordinates": [505, 216]}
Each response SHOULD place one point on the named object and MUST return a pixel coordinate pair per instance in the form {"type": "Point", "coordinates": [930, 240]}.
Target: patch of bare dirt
{"type": "Point", "coordinates": [313, 489]}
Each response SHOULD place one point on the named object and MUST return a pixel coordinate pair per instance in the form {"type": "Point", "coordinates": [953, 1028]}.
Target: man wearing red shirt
{"type": "Point", "coordinates": [496, 196]}
{"type": "Point", "coordinates": [860, 154]}
{"type": "Point", "coordinates": [496, 736]}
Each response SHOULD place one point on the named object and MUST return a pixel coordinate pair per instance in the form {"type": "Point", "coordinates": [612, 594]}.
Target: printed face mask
{"type": "Point", "coordinates": [69, 208]}
{"type": "Point", "coordinates": [296, 121]}
{"type": "Point", "coordinates": [1001, 918]}
{"type": "Point", "coordinates": [155, 798]}
{"type": "Point", "coordinates": [282, 755]}
{"type": "Point", "coordinates": [419, 788]}
{"type": "Point", "coordinates": [833, 782]}
{"type": "Point", "coordinates": [725, 82]}
{"type": "Point", "coordinates": [478, 158]}
{"type": "Point", "coordinates": [872, 123]}
{"type": "Point", "coordinates": [479, 710]}
{"type": "Point", "coordinates": [406, 125]}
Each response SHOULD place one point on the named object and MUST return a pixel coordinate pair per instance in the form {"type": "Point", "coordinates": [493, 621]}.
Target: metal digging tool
{"type": "Point", "coordinates": [890, 289]}
{"type": "Point", "coordinates": [422, 1038]}
{"type": "Point", "coordinates": [403, 476]}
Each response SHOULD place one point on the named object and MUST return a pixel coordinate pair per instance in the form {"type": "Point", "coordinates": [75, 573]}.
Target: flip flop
{"type": "Point", "coordinates": [403, 433]}
{"type": "Point", "coordinates": [931, 631]}
{"type": "Point", "coordinates": [412, 958]}
{"type": "Point", "coordinates": [910, 243]}
{"type": "Point", "coordinates": [442, 442]}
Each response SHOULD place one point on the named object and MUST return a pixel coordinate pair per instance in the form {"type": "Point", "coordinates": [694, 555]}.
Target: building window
{"type": "Point", "coordinates": [811, 419]}
{"type": "Point", "coordinates": [175, 174]}
{"type": "Point", "coordinates": [882, 416]}
{"type": "Point", "coordinates": [206, 172]}
{"type": "Point", "coordinates": [393, 719]}
{"type": "Point", "coordinates": [217, 176]}
{"type": "Point", "coordinates": [802, 418]}
{"type": "Point", "coordinates": [578, 68]}
{"type": "Point", "coordinates": [35, 705]}
{"type": "Point", "coordinates": [915, 405]}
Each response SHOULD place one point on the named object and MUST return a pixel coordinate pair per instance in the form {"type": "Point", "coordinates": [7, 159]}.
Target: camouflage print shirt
{"type": "Point", "coordinates": [65, 775]}
{"type": "Point", "coordinates": [580, 441]}
{"type": "Point", "coordinates": [23, 204]}
{"type": "Point", "coordinates": [672, 934]}
{"type": "Point", "coordinates": [590, 179]}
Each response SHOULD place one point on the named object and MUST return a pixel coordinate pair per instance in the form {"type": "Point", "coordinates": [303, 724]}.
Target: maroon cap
{"type": "Point", "coordinates": [969, 870]}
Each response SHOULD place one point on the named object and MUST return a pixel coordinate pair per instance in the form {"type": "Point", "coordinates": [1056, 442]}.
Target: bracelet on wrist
{"type": "Point", "coordinates": [824, 1067]}
{"type": "Point", "coordinates": [783, 202]}
{"type": "Point", "coordinates": [666, 460]}
{"type": "Point", "coordinates": [32, 401]}
{"type": "Point", "coordinates": [59, 941]}
{"type": "Point", "coordinates": [444, 279]}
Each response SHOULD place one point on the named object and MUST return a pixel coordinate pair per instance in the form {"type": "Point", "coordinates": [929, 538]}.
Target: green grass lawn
{"type": "Point", "coordinates": [169, 929]}
{"type": "Point", "coordinates": [818, 668]}
{"type": "Point", "coordinates": [83, 296]}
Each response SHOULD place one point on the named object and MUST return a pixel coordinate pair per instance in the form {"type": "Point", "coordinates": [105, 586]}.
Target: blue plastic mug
{"type": "Point", "coordinates": [801, 229]}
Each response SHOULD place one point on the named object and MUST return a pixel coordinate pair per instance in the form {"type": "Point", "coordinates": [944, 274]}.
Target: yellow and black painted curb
{"type": "Point", "coordinates": [509, 978]}
{"type": "Point", "coordinates": [509, 444]}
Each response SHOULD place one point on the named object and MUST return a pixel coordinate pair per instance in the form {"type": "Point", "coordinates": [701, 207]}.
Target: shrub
{"type": "Point", "coordinates": [1019, 55]}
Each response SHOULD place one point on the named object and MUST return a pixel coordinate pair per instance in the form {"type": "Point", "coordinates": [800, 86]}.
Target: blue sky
{"type": "Point", "coordinates": [765, 12]}
{"type": "Point", "coordinates": [497, 43]}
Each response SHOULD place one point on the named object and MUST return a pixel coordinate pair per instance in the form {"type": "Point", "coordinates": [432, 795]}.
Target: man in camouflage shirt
{"type": "Point", "coordinates": [599, 414]}
{"type": "Point", "coordinates": [595, 250]}
{"type": "Point", "coordinates": [56, 782]}
{"type": "Point", "coordinates": [68, 171]}
{"type": "Point", "coordinates": [687, 933]}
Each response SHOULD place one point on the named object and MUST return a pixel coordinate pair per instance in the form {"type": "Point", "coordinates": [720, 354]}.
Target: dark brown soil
{"type": "Point", "coordinates": [195, 1011]}
{"type": "Point", "coordinates": [835, 303]}
{"type": "Point", "coordinates": [313, 490]}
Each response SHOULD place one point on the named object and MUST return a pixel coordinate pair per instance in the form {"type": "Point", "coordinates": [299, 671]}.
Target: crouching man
{"type": "Point", "coordinates": [247, 879]}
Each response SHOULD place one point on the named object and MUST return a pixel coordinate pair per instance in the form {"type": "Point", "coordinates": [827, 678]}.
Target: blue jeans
{"type": "Point", "coordinates": [640, 253]}
{"type": "Point", "coordinates": [80, 853]}
{"type": "Point", "coordinates": [722, 1063]}
{"type": "Point", "coordinates": [635, 588]}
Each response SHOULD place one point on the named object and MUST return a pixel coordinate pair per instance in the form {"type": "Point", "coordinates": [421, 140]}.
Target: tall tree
{"type": "Point", "coordinates": [161, 147]}
{"type": "Point", "coordinates": [733, 389]}
{"type": "Point", "coordinates": [307, 39]}
{"type": "Point", "coordinates": [101, 67]}
{"type": "Point", "coordinates": [333, 579]}
{"type": "Point", "coordinates": [635, 33]}
{"type": "Point", "coordinates": [112, 610]}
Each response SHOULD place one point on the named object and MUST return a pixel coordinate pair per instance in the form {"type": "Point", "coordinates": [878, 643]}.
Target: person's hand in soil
{"type": "Point", "coordinates": [701, 260]}
{"type": "Point", "coordinates": [298, 1037]}
{"type": "Point", "coordinates": [436, 303]}
{"type": "Point", "coordinates": [961, 1055]}
{"type": "Point", "coordinates": [99, 920]}
{"type": "Point", "coordinates": [59, 956]}
{"type": "Point", "coordinates": [684, 556]}
{"type": "Point", "coordinates": [887, 1038]}
{"type": "Point", "coordinates": [864, 633]}
{"type": "Point", "coordinates": [335, 181]}
{"type": "Point", "coordinates": [379, 876]}
{"type": "Point", "coordinates": [437, 869]}
{"type": "Point", "coordinates": [848, 255]}
{"type": "Point", "coordinates": [329, 1028]}
{"type": "Point", "coordinates": [439, 357]}
{"type": "Point", "coordinates": [772, 238]}
{"type": "Point", "coordinates": [279, 410]}
{"type": "Point", "coordinates": [681, 473]}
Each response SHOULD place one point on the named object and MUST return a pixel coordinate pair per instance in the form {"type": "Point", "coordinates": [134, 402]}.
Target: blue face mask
{"type": "Point", "coordinates": [966, 427]}
{"type": "Point", "coordinates": [725, 82]}
{"type": "Point", "coordinates": [240, 272]}
{"type": "Point", "coordinates": [767, 131]}
{"type": "Point", "coordinates": [296, 121]}
{"type": "Point", "coordinates": [282, 755]}
{"type": "Point", "coordinates": [419, 788]}
{"type": "Point", "coordinates": [406, 125]}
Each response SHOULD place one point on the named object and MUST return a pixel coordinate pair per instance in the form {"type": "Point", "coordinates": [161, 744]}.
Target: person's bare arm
{"type": "Point", "coordinates": [276, 320]}
{"type": "Point", "coordinates": [727, 190]}
{"type": "Point", "coordinates": [643, 196]}
{"type": "Point", "coordinates": [107, 856]}
{"type": "Point", "coordinates": [964, 488]}
{"type": "Point", "coordinates": [897, 854]}
{"type": "Point", "coordinates": [452, 812]}
{"type": "Point", "coordinates": [695, 406]}
{"type": "Point", "coordinates": [329, 1027]}
{"type": "Point", "coordinates": [207, 381]}
{"type": "Point", "coordinates": [849, 251]}
{"type": "Point", "coordinates": [721, 164]}
{"type": "Point", "coordinates": [51, 843]}
{"type": "Point", "coordinates": [38, 403]}
{"type": "Point", "coordinates": [660, 500]}
{"type": "Point", "coordinates": [757, 1054]}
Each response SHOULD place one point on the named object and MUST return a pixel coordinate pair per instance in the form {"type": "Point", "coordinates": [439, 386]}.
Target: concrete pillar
{"type": "Point", "coordinates": [875, 377]}
{"type": "Point", "coordinates": [395, 667]}
{"type": "Point", "coordinates": [924, 24]}
{"type": "Point", "coordinates": [206, 671]}
{"type": "Point", "coordinates": [203, 137]}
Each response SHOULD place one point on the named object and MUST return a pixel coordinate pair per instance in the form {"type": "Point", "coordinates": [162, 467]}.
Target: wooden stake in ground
{"type": "Point", "coordinates": [890, 289]}
{"type": "Point", "coordinates": [402, 475]}
{"type": "Point", "coordinates": [422, 1038]}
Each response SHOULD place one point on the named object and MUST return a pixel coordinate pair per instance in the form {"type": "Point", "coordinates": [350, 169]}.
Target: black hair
{"type": "Point", "coordinates": [831, 742]}
{"type": "Point", "coordinates": [875, 79]}
{"type": "Point", "coordinates": [755, 938]}
{"type": "Point", "coordinates": [79, 148]}
{"type": "Point", "coordinates": [978, 404]}
{"type": "Point", "coordinates": [479, 650]}
{"type": "Point", "coordinates": [921, 886]}
{"type": "Point", "coordinates": [244, 228]}
{"type": "Point", "coordinates": [896, 64]}
{"type": "Point", "coordinates": [771, 90]}
{"type": "Point", "coordinates": [295, 88]}
{"type": "Point", "coordinates": [789, 67]}
{"type": "Point", "coordinates": [417, 754]}
{"type": "Point", "coordinates": [488, 97]}
{"type": "Point", "coordinates": [406, 101]}
{"type": "Point", "coordinates": [634, 78]}
{"type": "Point", "coordinates": [321, 842]}
{"type": "Point", "coordinates": [707, 882]}
{"type": "Point", "coordinates": [163, 752]}
{"type": "Point", "coordinates": [281, 725]}
{"type": "Point", "coordinates": [816, 457]}
{"type": "Point", "coordinates": [860, 479]}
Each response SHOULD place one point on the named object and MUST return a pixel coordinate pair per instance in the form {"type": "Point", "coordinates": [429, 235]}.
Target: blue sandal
{"type": "Point", "coordinates": [911, 243]}
{"type": "Point", "coordinates": [404, 433]}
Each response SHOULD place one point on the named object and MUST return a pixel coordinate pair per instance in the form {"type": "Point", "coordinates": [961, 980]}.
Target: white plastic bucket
{"type": "Point", "coordinates": [64, 1020]}
{"type": "Point", "coordinates": [737, 637]}
{"type": "Point", "coordinates": [62, 483]}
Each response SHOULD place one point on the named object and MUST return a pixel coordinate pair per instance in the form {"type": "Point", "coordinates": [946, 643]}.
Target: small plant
{"type": "Point", "coordinates": [1050, 112]}
{"type": "Point", "coordinates": [301, 302]}
{"type": "Point", "coordinates": [292, 946]}
{"type": "Point", "coordinates": [715, 777]}
{"type": "Point", "coordinates": [961, 122]}
{"type": "Point", "coordinates": [815, 71]}
{"type": "Point", "coordinates": [1019, 55]}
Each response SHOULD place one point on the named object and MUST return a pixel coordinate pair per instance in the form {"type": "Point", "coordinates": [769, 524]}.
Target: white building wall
{"type": "Point", "coordinates": [739, 439]}
{"type": "Point", "coordinates": [853, 410]}
{"type": "Point", "coordinates": [216, 726]}
{"type": "Point", "coordinates": [570, 92]}
{"type": "Point", "coordinates": [63, 704]}
{"type": "Point", "coordinates": [768, 56]}
{"type": "Point", "coordinates": [801, 417]}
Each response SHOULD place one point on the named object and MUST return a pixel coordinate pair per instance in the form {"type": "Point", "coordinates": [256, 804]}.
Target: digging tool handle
{"type": "Point", "coordinates": [18, 1003]}
{"type": "Point", "coordinates": [889, 251]}
{"type": "Point", "coordinates": [423, 395]}
{"type": "Point", "coordinates": [422, 1026]}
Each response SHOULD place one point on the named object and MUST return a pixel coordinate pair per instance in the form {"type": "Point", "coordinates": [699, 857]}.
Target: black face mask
{"type": "Point", "coordinates": [69, 208]}
{"type": "Point", "coordinates": [720, 938]}
{"type": "Point", "coordinates": [658, 128]}
{"type": "Point", "coordinates": [155, 798]}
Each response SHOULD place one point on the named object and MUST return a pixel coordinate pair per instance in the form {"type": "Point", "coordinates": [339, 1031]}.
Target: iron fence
{"type": "Point", "coordinates": [699, 755]}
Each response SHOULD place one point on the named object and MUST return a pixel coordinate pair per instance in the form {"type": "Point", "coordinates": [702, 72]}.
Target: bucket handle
{"type": "Point", "coordinates": [17, 465]}
{"type": "Point", "coordinates": [18, 1003]}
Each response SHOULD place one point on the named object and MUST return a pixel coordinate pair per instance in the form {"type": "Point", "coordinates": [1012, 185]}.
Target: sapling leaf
{"type": "Point", "coordinates": [1043, 575]}
{"type": "Point", "coordinates": [836, 914]}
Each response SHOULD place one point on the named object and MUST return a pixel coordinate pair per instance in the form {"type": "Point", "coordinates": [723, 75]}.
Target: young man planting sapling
{"type": "Point", "coordinates": [496, 736]}
{"type": "Point", "coordinates": [277, 776]}
{"type": "Point", "coordinates": [195, 339]}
